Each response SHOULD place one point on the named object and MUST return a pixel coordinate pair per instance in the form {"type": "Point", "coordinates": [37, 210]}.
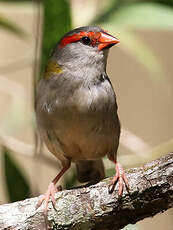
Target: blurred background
{"type": "Point", "coordinates": [140, 69]}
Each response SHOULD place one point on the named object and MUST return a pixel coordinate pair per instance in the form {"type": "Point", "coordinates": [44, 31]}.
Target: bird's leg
{"type": "Point", "coordinates": [52, 189]}
{"type": "Point", "coordinates": [119, 177]}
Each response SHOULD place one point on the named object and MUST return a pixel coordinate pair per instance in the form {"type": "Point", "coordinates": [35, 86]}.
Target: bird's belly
{"type": "Point", "coordinates": [91, 127]}
{"type": "Point", "coordinates": [91, 146]}
{"type": "Point", "coordinates": [86, 126]}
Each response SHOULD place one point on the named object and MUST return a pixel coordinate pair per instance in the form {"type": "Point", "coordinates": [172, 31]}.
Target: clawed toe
{"type": "Point", "coordinates": [119, 177]}
{"type": "Point", "coordinates": [50, 194]}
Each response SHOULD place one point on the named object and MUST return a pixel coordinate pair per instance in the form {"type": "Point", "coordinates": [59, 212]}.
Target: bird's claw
{"type": "Point", "coordinates": [50, 194]}
{"type": "Point", "coordinates": [119, 177]}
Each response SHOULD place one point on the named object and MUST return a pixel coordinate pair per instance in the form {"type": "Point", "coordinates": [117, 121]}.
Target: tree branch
{"type": "Point", "coordinates": [151, 192]}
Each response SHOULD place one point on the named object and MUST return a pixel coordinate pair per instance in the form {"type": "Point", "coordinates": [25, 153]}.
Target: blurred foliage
{"type": "Point", "coordinates": [55, 12]}
{"type": "Point", "coordinates": [116, 7]}
{"type": "Point", "coordinates": [131, 227]}
{"type": "Point", "coordinates": [11, 27]}
{"type": "Point", "coordinates": [123, 17]}
{"type": "Point", "coordinates": [143, 15]}
{"type": "Point", "coordinates": [57, 22]}
{"type": "Point", "coordinates": [120, 17]}
{"type": "Point", "coordinates": [17, 185]}
{"type": "Point", "coordinates": [164, 2]}
{"type": "Point", "coordinates": [110, 172]}
{"type": "Point", "coordinates": [18, 0]}
{"type": "Point", "coordinates": [70, 179]}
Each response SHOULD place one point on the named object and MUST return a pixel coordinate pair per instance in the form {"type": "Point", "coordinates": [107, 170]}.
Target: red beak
{"type": "Point", "coordinates": [106, 41]}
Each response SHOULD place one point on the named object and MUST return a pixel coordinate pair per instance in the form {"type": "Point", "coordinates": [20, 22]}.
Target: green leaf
{"type": "Point", "coordinates": [143, 16]}
{"type": "Point", "coordinates": [123, 16]}
{"type": "Point", "coordinates": [137, 15]}
{"type": "Point", "coordinates": [57, 22]}
{"type": "Point", "coordinates": [11, 27]}
{"type": "Point", "coordinates": [17, 185]}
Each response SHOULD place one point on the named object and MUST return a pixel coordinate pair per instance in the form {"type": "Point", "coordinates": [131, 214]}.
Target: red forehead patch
{"type": "Point", "coordinates": [94, 36]}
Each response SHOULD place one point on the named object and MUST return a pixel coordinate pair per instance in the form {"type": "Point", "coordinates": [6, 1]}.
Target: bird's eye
{"type": "Point", "coordinates": [86, 40]}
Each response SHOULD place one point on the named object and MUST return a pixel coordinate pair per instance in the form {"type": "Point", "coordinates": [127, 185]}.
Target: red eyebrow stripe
{"type": "Point", "coordinates": [67, 40]}
{"type": "Point", "coordinates": [76, 37]}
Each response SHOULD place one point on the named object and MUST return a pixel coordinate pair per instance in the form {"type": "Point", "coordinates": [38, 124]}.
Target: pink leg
{"type": "Point", "coordinates": [52, 189]}
{"type": "Point", "coordinates": [119, 177]}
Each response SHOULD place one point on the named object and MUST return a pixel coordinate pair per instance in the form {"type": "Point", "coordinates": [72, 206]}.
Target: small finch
{"type": "Point", "coordinates": [76, 108]}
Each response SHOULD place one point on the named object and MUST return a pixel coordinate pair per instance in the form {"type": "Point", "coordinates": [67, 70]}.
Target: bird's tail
{"type": "Point", "coordinates": [90, 170]}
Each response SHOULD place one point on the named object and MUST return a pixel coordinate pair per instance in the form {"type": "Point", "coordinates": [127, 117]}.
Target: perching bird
{"type": "Point", "coordinates": [76, 107]}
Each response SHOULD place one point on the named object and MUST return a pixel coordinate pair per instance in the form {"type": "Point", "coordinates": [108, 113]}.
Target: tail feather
{"type": "Point", "coordinates": [90, 170]}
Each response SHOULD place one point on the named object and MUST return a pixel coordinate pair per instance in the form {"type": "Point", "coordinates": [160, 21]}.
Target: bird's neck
{"type": "Point", "coordinates": [77, 61]}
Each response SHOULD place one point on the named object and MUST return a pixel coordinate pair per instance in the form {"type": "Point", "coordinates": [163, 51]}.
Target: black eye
{"type": "Point", "coordinates": [86, 40]}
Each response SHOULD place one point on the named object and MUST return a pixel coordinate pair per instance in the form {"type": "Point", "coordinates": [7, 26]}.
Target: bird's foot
{"type": "Point", "coordinates": [119, 177]}
{"type": "Point", "coordinates": [50, 194]}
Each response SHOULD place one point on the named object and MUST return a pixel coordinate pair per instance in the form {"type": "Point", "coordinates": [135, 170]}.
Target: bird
{"type": "Point", "coordinates": [76, 108]}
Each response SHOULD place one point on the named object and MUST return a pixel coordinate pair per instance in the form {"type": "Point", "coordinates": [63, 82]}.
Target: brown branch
{"type": "Point", "coordinates": [151, 192]}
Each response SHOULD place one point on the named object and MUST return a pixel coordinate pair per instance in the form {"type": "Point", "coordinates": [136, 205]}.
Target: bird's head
{"type": "Point", "coordinates": [84, 46]}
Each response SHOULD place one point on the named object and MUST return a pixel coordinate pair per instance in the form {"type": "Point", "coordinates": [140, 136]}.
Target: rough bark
{"type": "Point", "coordinates": [151, 192]}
